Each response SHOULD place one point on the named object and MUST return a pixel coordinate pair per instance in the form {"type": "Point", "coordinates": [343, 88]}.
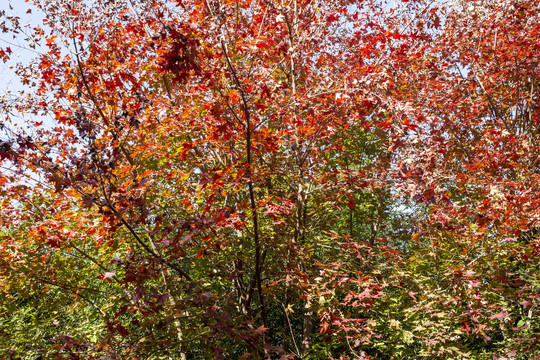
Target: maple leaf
{"type": "Point", "coordinates": [500, 316]}
{"type": "Point", "coordinates": [107, 276]}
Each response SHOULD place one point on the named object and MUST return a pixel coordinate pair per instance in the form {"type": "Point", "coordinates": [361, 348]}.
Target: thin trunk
{"type": "Point", "coordinates": [286, 322]}
{"type": "Point", "coordinates": [299, 228]}
{"type": "Point", "coordinates": [257, 276]}
{"type": "Point", "coordinates": [308, 329]}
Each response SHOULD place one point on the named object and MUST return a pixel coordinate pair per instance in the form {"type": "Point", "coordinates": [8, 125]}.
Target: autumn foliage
{"type": "Point", "coordinates": [272, 179]}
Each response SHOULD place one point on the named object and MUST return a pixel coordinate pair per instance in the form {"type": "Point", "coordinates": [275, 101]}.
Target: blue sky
{"type": "Point", "coordinates": [8, 79]}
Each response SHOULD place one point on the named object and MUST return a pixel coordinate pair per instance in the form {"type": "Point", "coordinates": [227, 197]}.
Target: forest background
{"type": "Point", "coordinates": [271, 179]}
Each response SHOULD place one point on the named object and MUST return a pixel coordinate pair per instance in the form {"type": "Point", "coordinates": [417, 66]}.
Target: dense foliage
{"type": "Point", "coordinates": [269, 179]}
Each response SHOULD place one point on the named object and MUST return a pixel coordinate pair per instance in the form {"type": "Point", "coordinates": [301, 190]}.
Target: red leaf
{"type": "Point", "coordinates": [122, 330]}
{"type": "Point", "coordinates": [500, 316]}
